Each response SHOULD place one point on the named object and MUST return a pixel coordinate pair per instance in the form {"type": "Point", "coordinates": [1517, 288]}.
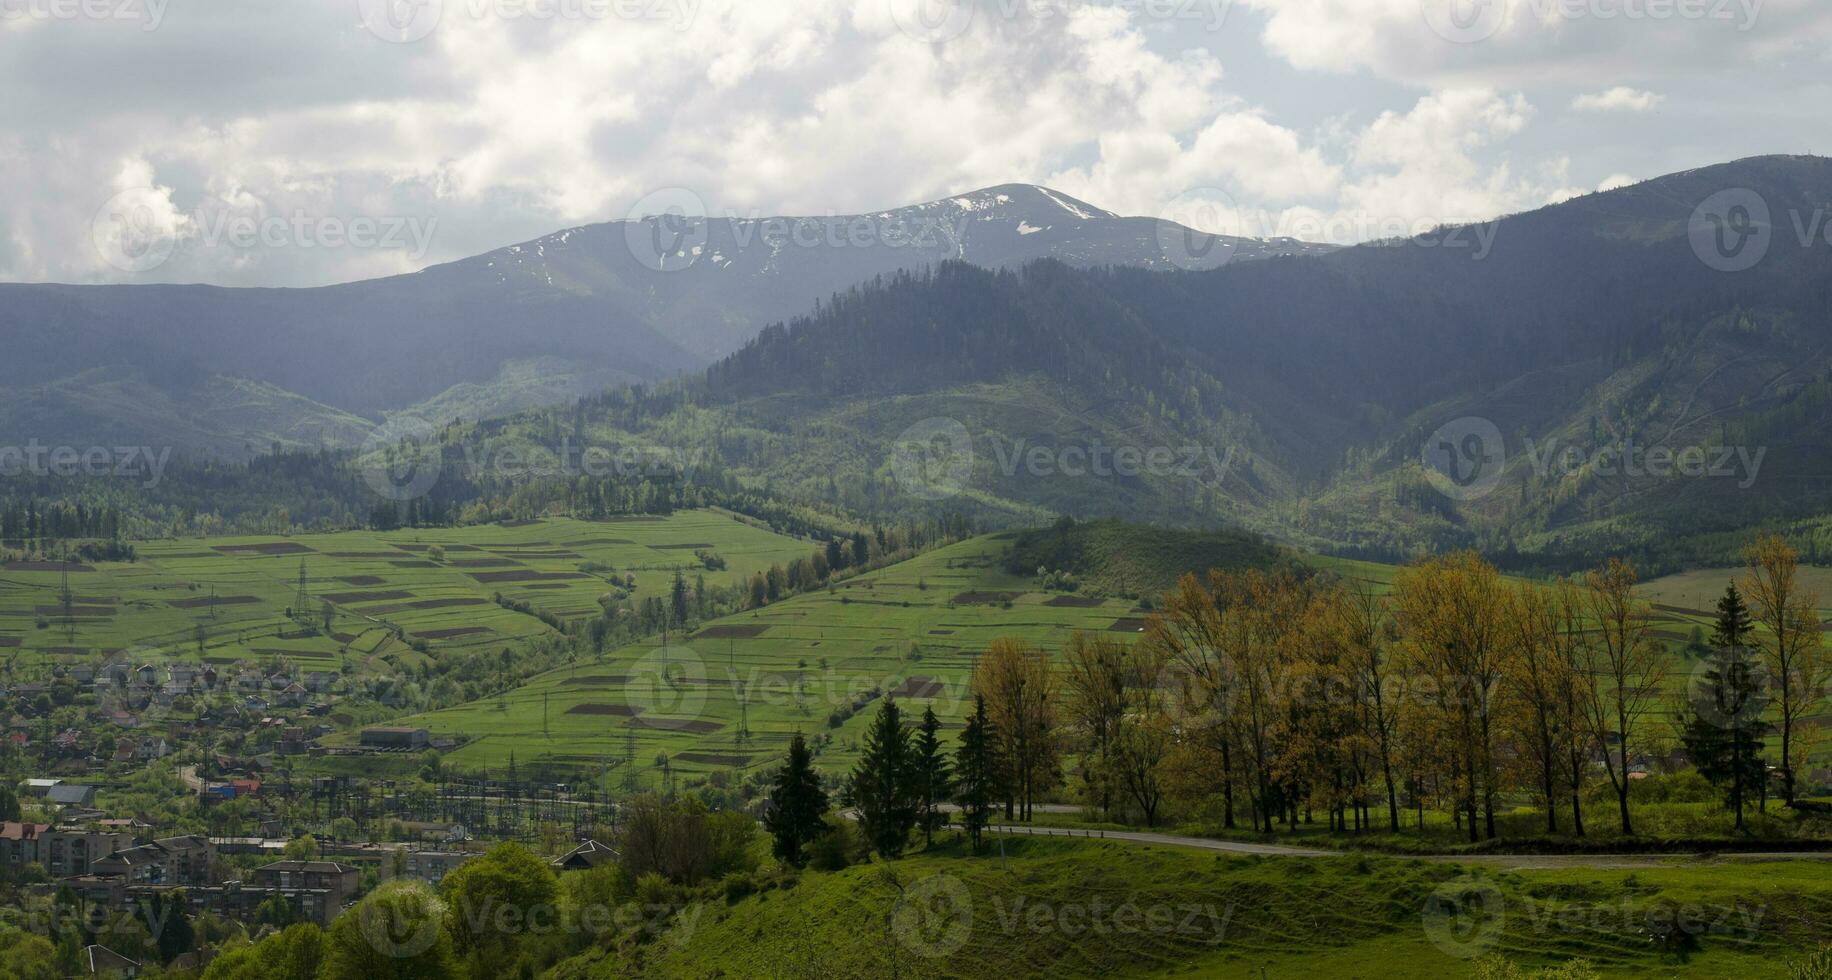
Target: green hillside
{"type": "Point", "coordinates": [1135, 560]}
{"type": "Point", "coordinates": [1051, 908]}
{"type": "Point", "coordinates": [395, 599]}
{"type": "Point", "coordinates": [913, 629]}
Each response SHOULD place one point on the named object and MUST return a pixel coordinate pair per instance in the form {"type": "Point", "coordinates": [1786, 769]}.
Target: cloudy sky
{"type": "Point", "coordinates": [297, 142]}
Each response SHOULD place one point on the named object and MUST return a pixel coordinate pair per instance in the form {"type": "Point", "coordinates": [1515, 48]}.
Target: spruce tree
{"type": "Point", "coordinates": [678, 598]}
{"type": "Point", "coordinates": [976, 772]}
{"type": "Point", "coordinates": [797, 804]}
{"type": "Point", "coordinates": [1722, 728]}
{"type": "Point", "coordinates": [933, 776]}
{"type": "Point", "coordinates": [882, 786]}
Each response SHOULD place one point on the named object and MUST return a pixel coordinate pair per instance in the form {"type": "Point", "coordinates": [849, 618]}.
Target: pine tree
{"type": "Point", "coordinates": [797, 804]}
{"type": "Point", "coordinates": [933, 775]}
{"type": "Point", "coordinates": [976, 772]}
{"type": "Point", "coordinates": [678, 598]}
{"type": "Point", "coordinates": [882, 787]}
{"type": "Point", "coordinates": [1722, 728]}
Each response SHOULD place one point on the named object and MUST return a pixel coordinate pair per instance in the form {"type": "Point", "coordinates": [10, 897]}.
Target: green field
{"type": "Point", "coordinates": [387, 591]}
{"type": "Point", "coordinates": [913, 629]}
{"type": "Point", "coordinates": [1699, 590]}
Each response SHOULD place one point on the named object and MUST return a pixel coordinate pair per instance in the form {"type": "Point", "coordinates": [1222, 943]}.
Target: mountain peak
{"type": "Point", "coordinates": [1022, 201]}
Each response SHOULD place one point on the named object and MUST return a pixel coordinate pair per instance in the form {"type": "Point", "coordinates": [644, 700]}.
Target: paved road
{"type": "Point", "coordinates": [1165, 840]}
{"type": "Point", "coordinates": [1144, 838]}
{"type": "Point", "coordinates": [1504, 861]}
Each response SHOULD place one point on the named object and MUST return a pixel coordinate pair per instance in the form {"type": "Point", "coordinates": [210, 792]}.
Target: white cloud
{"type": "Point", "coordinates": [1617, 182]}
{"type": "Point", "coordinates": [504, 128]}
{"type": "Point", "coordinates": [1526, 42]}
{"type": "Point", "coordinates": [1618, 99]}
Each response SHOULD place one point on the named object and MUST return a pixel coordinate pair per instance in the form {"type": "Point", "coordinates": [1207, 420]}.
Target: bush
{"type": "Point", "coordinates": [833, 850]}
{"type": "Point", "coordinates": [737, 886]}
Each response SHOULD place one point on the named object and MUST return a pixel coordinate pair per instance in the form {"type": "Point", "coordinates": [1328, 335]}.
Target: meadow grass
{"type": "Point", "coordinates": [1041, 907]}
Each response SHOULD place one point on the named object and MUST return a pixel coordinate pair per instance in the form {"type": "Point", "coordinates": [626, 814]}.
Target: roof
{"type": "Point", "coordinates": [13, 830]}
{"type": "Point", "coordinates": [70, 794]}
{"type": "Point", "coordinates": [101, 959]}
{"type": "Point", "coordinates": [589, 854]}
{"type": "Point", "coordinates": [317, 867]}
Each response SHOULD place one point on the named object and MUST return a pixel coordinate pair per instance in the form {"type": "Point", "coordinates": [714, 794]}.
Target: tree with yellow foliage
{"type": "Point", "coordinates": [1791, 643]}
{"type": "Point", "coordinates": [1020, 690]}
{"type": "Point", "coordinates": [1622, 672]}
{"type": "Point", "coordinates": [1452, 611]}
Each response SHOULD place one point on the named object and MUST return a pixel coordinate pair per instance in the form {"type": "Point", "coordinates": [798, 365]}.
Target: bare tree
{"type": "Point", "coordinates": [1623, 670]}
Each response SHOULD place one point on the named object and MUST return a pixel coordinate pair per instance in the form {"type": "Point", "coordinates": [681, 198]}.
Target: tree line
{"type": "Point", "coordinates": [1277, 698]}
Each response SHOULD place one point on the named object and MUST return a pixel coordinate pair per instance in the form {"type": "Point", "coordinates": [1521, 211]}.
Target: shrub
{"type": "Point", "coordinates": [737, 886]}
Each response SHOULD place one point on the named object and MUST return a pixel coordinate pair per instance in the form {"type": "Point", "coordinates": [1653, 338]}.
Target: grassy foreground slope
{"type": "Point", "coordinates": [1054, 908]}
{"type": "Point", "coordinates": [389, 590]}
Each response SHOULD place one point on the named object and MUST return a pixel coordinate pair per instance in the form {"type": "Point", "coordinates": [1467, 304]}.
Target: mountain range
{"type": "Point", "coordinates": [227, 372]}
{"type": "Point", "coordinates": [1647, 369]}
{"type": "Point", "coordinates": [1638, 369]}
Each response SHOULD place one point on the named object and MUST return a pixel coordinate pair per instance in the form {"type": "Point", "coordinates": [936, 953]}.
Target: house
{"type": "Point", "coordinates": [152, 747]}
{"type": "Point", "coordinates": [318, 890]}
{"type": "Point", "coordinates": [171, 861]}
{"type": "Point", "coordinates": [19, 842]}
{"type": "Point", "coordinates": [396, 739]}
{"type": "Point", "coordinates": [320, 681]}
{"type": "Point", "coordinates": [69, 851]}
{"type": "Point", "coordinates": [147, 674]}
{"type": "Point", "coordinates": [292, 741]}
{"type": "Point", "coordinates": [67, 795]}
{"type": "Point", "coordinates": [588, 855]}
{"type": "Point", "coordinates": [62, 851]}
{"type": "Point", "coordinates": [291, 696]}
{"type": "Point", "coordinates": [100, 961]}
{"type": "Point", "coordinates": [83, 674]}
{"type": "Point", "coordinates": [39, 785]}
